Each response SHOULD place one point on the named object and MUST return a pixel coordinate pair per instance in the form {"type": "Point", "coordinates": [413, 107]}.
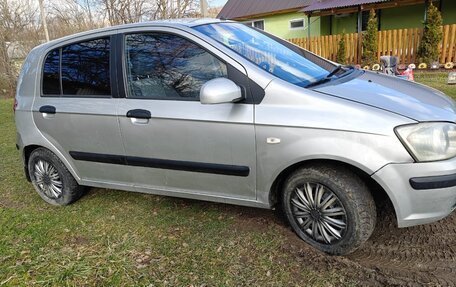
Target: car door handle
{"type": "Point", "coordinates": [47, 110]}
{"type": "Point", "coordinates": [139, 116]}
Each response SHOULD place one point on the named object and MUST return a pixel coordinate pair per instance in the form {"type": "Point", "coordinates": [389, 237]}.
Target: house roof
{"type": "Point", "coordinates": [238, 9]}
{"type": "Point", "coordinates": [330, 4]}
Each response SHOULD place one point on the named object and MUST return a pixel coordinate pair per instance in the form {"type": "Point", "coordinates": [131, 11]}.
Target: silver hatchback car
{"type": "Point", "coordinates": [215, 110]}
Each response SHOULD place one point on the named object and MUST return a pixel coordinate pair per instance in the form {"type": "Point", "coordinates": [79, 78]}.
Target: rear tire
{"type": "Point", "coordinates": [51, 179]}
{"type": "Point", "coordinates": [329, 207]}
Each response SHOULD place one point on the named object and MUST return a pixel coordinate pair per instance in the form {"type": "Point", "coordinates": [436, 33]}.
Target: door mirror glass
{"type": "Point", "coordinates": [219, 91]}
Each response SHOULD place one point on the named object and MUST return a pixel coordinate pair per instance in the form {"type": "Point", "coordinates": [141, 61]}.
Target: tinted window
{"type": "Point", "coordinates": [85, 68]}
{"type": "Point", "coordinates": [51, 73]}
{"type": "Point", "coordinates": [165, 66]}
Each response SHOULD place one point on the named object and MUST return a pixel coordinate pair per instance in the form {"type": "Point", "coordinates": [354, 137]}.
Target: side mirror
{"type": "Point", "coordinates": [219, 91]}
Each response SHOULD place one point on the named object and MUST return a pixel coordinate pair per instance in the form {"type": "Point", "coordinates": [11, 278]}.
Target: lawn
{"type": "Point", "coordinates": [437, 80]}
{"type": "Point", "coordinates": [112, 237]}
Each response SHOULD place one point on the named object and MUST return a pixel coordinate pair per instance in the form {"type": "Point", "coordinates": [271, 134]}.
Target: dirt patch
{"type": "Point", "coordinates": [7, 203]}
{"type": "Point", "coordinates": [414, 256]}
{"type": "Point", "coordinates": [78, 241]}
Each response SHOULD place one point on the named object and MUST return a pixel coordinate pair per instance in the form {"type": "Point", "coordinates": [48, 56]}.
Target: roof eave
{"type": "Point", "coordinates": [255, 16]}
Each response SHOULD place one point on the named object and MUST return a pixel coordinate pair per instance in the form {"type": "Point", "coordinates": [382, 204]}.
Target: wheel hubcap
{"type": "Point", "coordinates": [48, 179]}
{"type": "Point", "coordinates": [319, 213]}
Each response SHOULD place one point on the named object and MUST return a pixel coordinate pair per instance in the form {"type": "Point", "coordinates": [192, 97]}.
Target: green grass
{"type": "Point", "coordinates": [122, 238]}
{"type": "Point", "coordinates": [437, 80]}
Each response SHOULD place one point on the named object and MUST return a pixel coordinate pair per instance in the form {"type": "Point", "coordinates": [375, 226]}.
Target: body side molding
{"type": "Point", "coordinates": [202, 167]}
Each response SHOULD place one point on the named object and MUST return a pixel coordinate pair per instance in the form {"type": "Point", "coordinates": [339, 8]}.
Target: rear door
{"type": "Point", "coordinates": [173, 142]}
{"type": "Point", "coordinates": [76, 111]}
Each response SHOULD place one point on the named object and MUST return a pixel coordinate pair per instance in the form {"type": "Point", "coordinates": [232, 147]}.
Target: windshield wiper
{"type": "Point", "coordinates": [335, 71]}
{"type": "Point", "coordinates": [327, 77]}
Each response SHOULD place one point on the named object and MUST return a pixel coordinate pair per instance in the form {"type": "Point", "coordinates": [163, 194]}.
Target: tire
{"type": "Point", "coordinates": [351, 216]}
{"type": "Point", "coordinates": [51, 179]}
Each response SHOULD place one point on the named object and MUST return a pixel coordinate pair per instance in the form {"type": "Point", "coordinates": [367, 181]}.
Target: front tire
{"type": "Point", "coordinates": [330, 208]}
{"type": "Point", "coordinates": [51, 179]}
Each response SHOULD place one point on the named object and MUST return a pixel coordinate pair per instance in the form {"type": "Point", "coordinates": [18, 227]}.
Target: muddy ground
{"type": "Point", "coordinates": [415, 256]}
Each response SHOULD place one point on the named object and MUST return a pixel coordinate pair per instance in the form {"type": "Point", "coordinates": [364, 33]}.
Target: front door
{"type": "Point", "coordinates": [172, 141]}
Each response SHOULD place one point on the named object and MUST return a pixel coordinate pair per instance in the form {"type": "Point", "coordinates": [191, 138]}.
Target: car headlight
{"type": "Point", "coordinates": [429, 141]}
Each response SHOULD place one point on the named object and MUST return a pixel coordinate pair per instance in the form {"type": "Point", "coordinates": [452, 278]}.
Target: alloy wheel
{"type": "Point", "coordinates": [48, 179]}
{"type": "Point", "coordinates": [319, 212]}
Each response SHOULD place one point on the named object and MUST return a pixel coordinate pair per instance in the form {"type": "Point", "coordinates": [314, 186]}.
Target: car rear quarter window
{"type": "Point", "coordinates": [169, 67]}
{"type": "Point", "coordinates": [85, 68]}
{"type": "Point", "coordinates": [51, 73]}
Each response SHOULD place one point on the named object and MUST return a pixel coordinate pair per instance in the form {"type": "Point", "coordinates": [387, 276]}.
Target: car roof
{"type": "Point", "coordinates": [182, 22]}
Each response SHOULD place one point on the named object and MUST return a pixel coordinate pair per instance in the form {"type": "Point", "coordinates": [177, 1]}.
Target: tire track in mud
{"type": "Point", "coordinates": [413, 256]}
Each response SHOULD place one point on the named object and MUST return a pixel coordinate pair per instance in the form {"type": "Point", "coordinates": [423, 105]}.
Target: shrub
{"type": "Point", "coordinates": [370, 40]}
{"type": "Point", "coordinates": [342, 51]}
{"type": "Point", "coordinates": [428, 49]}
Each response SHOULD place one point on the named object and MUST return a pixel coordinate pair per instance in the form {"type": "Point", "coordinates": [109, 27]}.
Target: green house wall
{"type": "Point", "coordinates": [392, 18]}
{"type": "Point", "coordinates": [344, 23]}
{"type": "Point", "coordinates": [279, 25]}
{"type": "Point", "coordinates": [449, 12]}
{"type": "Point", "coordinates": [413, 16]}
{"type": "Point", "coordinates": [402, 17]}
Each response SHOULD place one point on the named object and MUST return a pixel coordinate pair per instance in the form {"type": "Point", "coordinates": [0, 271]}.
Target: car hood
{"type": "Point", "coordinates": [396, 95]}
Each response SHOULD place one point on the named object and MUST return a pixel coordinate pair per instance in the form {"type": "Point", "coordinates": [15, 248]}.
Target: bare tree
{"type": "Point", "coordinates": [71, 16]}
{"type": "Point", "coordinates": [18, 33]}
{"type": "Point", "coordinates": [43, 19]}
{"type": "Point", "coordinates": [203, 8]}
{"type": "Point", "coordinates": [124, 11]}
{"type": "Point", "coordinates": [130, 11]}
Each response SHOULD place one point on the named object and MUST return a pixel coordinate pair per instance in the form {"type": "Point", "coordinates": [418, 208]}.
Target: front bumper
{"type": "Point", "coordinates": [420, 192]}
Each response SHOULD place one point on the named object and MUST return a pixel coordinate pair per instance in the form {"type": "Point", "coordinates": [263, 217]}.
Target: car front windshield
{"type": "Point", "coordinates": [265, 52]}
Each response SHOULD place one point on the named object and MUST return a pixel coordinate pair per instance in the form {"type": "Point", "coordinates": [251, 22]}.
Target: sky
{"type": "Point", "coordinates": [216, 3]}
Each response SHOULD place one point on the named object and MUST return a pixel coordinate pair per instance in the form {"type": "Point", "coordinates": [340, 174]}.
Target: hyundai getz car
{"type": "Point", "coordinates": [218, 111]}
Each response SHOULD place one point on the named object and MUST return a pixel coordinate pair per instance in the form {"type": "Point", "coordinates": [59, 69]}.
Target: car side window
{"type": "Point", "coordinates": [85, 68]}
{"type": "Point", "coordinates": [168, 67]}
{"type": "Point", "coordinates": [51, 73]}
{"type": "Point", "coordinates": [78, 70]}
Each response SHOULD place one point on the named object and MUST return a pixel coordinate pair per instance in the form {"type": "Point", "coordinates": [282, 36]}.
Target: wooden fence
{"type": "Point", "coordinates": [402, 43]}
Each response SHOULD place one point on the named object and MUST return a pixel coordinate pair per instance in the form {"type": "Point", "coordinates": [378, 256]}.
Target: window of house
{"type": "Point", "coordinates": [85, 68]}
{"type": "Point", "coordinates": [259, 24]}
{"type": "Point", "coordinates": [51, 73]}
{"type": "Point", "coordinates": [297, 24]}
{"type": "Point", "coordinates": [364, 20]}
{"type": "Point", "coordinates": [168, 67]}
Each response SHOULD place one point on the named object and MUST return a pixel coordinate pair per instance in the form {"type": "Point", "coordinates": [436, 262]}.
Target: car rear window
{"type": "Point", "coordinates": [80, 70]}
{"type": "Point", "coordinates": [85, 68]}
{"type": "Point", "coordinates": [51, 74]}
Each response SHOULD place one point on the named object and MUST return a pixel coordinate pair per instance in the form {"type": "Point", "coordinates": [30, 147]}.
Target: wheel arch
{"type": "Point", "coordinates": [379, 194]}
{"type": "Point", "coordinates": [27, 151]}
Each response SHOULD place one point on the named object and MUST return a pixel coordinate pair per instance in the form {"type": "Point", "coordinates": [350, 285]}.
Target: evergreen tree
{"type": "Point", "coordinates": [370, 40]}
{"type": "Point", "coordinates": [428, 50]}
{"type": "Point", "coordinates": [342, 51]}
